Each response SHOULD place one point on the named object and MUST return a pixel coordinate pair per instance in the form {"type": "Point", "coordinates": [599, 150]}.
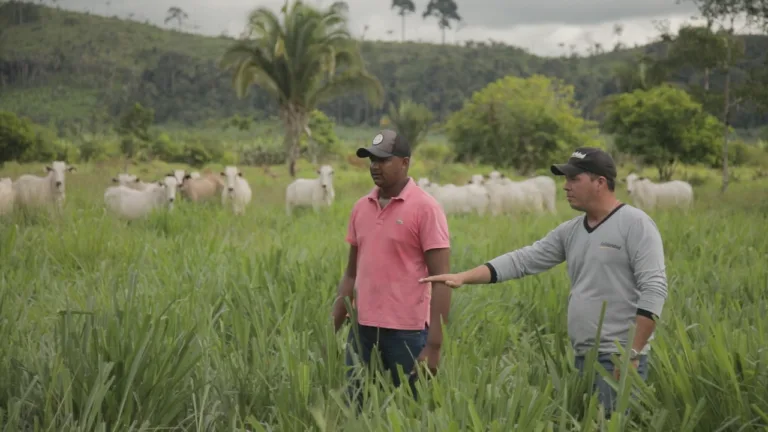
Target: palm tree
{"type": "Point", "coordinates": [307, 59]}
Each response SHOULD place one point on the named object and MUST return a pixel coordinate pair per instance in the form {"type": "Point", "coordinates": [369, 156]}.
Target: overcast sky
{"type": "Point", "coordinates": [536, 25]}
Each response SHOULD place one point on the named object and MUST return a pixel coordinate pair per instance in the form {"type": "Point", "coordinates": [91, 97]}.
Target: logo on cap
{"type": "Point", "coordinates": [579, 155]}
{"type": "Point", "coordinates": [378, 139]}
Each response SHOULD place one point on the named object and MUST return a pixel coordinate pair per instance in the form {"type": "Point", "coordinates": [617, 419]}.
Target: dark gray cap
{"type": "Point", "coordinates": [386, 143]}
{"type": "Point", "coordinates": [587, 159]}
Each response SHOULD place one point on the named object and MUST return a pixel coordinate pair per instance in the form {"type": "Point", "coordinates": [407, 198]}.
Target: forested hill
{"type": "Point", "coordinates": [57, 66]}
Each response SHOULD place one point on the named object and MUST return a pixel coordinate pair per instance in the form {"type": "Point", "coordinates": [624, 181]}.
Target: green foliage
{"type": "Point", "coordinates": [411, 120]}
{"type": "Point", "coordinates": [307, 59]}
{"type": "Point", "coordinates": [133, 127]}
{"type": "Point", "coordinates": [165, 148]}
{"type": "Point", "coordinates": [79, 64]}
{"type": "Point", "coordinates": [16, 136]}
{"type": "Point", "coordinates": [523, 123]}
{"type": "Point", "coordinates": [663, 125]}
{"type": "Point", "coordinates": [198, 320]}
{"type": "Point", "coordinates": [324, 141]}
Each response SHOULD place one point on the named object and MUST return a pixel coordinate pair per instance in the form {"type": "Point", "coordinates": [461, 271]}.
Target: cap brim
{"type": "Point", "coordinates": [367, 152]}
{"type": "Point", "coordinates": [565, 170]}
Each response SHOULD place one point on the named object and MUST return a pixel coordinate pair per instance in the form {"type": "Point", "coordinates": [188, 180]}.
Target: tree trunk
{"type": "Point", "coordinates": [706, 79]}
{"type": "Point", "coordinates": [294, 119]}
{"type": "Point", "coordinates": [726, 112]}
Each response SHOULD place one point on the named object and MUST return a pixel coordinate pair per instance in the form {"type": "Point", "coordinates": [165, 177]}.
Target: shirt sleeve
{"type": "Point", "coordinates": [530, 260]}
{"type": "Point", "coordinates": [646, 252]}
{"type": "Point", "coordinates": [433, 229]}
{"type": "Point", "coordinates": [351, 237]}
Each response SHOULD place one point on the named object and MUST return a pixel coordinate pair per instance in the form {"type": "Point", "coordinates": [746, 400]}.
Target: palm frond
{"type": "Point", "coordinates": [347, 82]}
{"type": "Point", "coordinates": [303, 57]}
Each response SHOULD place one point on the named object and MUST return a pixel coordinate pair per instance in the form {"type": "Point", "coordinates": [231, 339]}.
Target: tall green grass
{"type": "Point", "coordinates": [200, 320]}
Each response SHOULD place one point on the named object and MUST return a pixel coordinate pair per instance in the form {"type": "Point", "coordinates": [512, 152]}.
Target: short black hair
{"type": "Point", "coordinates": [609, 181]}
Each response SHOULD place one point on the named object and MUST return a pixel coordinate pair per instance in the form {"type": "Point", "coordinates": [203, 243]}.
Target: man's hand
{"type": "Point", "coordinates": [617, 370]}
{"type": "Point", "coordinates": [346, 289]}
{"type": "Point", "coordinates": [339, 313]}
{"type": "Point", "coordinates": [478, 275]}
{"type": "Point", "coordinates": [429, 355]}
{"type": "Point", "coordinates": [451, 280]}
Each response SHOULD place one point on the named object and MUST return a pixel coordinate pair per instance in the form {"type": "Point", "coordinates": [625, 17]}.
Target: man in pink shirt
{"type": "Point", "coordinates": [397, 234]}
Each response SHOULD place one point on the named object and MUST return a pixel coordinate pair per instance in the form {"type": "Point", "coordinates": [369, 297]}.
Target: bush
{"type": "Point", "coordinates": [16, 136]}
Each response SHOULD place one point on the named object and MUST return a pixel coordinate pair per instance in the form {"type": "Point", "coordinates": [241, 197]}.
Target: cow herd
{"type": "Point", "coordinates": [131, 198]}
{"type": "Point", "coordinates": [496, 194]}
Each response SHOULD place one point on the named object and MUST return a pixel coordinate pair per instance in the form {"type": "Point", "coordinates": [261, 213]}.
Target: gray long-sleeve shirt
{"type": "Point", "coordinates": [620, 261]}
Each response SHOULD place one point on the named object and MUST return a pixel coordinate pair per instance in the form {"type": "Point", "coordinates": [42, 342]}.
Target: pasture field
{"type": "Point", "coordinates": [199, 320]}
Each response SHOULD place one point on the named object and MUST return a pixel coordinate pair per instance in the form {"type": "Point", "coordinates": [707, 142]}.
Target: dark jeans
{"type": "Point", "coordinates": [395, 347]}
{"type": "Point", "coordinates": [605, 394]}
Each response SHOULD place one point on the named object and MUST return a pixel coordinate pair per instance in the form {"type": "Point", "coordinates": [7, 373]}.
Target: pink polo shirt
{"type": "Point", "coordinates": [390, 256]}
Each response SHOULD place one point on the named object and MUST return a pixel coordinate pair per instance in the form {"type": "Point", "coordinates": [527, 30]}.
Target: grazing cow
{"type": "Point", "coordinates": [131, 181]}
{"type": "Point", "coordinates": [7, 196]}
{"type": "Point", "coordinates": [237, 192]}
{"type": "Point", "coordinates": [546, 185]}
{"type": "Point", "coordinates": [648, 195]}
{"type": "Point", "coordinates": [316, 193]}
{"type": "Point", "coordinates": [468, 198]}
{"type": "Point", "coordinates": [201, 188]}
{"type": "Point", "coordinates": [33, 191]}
{"type": "Point", "coordinates": [507, 196]}
{"type": "Point", "coordinates": [130, 204]}
{"type": "Point", "coordinates": [181, 174]}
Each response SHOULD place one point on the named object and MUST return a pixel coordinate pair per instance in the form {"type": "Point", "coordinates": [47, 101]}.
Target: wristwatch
{"type": "Point", "coordinates": [633, 354]}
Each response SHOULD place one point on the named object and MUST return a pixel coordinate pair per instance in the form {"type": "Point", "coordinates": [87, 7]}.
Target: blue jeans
{"type": "Point", "coordinates": [395, 347]}
{"type": "Point", "coordinates": [605, 394]}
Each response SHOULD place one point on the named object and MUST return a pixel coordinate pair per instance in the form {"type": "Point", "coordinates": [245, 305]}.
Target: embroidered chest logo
{"type": "Point", "coordinates": [604, 245]}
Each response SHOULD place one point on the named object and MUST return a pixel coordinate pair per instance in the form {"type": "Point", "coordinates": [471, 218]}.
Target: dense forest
{"type": "Point", "coordinates": [59, 67]}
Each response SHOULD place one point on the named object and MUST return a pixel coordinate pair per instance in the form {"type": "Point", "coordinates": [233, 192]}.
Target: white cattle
{"type": "Point", "coordinates": [469, 198]}
{"type": "Point", "coordinates": [546, 185]}
{"type": "Point", "coordinates": [201, 188]}
{"type": "Point", "coordinates": [32, 190]}
{"type": "Point", "coordinates": [132, 204]}
{"type": "Point", "coordinates": [181, 174]}
{"type": "Point", "coordinates": [648, 195]}
{"type": "Point", "coordinates": [428, 186]}
{"type": "Point", "coordinates": [316, 193]}
{"type": "Point", "coordinates": [7, 196]}
{"type": "Point", "coordinates": [237, 192]}
{"type": "Point", "coordinates": [131, 181]}
{"type": "Point", "coordinates": [507, 196]}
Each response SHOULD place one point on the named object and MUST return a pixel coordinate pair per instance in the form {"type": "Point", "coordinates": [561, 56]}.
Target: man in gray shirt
{"type": "Point", "coordinates": [614, 254]}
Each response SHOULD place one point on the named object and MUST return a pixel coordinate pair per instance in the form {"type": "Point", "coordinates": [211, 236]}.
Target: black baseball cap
{"type": "Point", "coordinates": [587, 159]}
{"type": "Point", "coordinates": [386, 143]}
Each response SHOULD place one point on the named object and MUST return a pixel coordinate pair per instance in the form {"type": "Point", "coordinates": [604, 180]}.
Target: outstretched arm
{"type": "Point", "coordinates": [536, 258]}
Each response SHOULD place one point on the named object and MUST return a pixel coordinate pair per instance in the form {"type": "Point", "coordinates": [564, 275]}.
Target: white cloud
{"type": "Point", "coordinates": [536, 25]}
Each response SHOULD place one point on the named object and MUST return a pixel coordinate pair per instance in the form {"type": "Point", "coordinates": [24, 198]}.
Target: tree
{"type": "Point", "coordinates": [411, 120]}
{"type": "Point", "coordinates": [405, 7]}
{"type": "Point", "coordinates": [321, 140]}
{"type": "Point", "coordinates": [445, 11]}
{"type": "Point", "coordinates": [729, 11]}
{"type": "Point", "coordinates": [308, 58]}
{"type": "Point", "coordinates": [663, 126]}
{"type": "Point", "coordinates": [16, 136]}
{"type": "Point", "coordinates": [177, 14]}
{"type": "Point", "coordinates": [525, 123]}
{"type": "Point", "coordinates": [133, 128]}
